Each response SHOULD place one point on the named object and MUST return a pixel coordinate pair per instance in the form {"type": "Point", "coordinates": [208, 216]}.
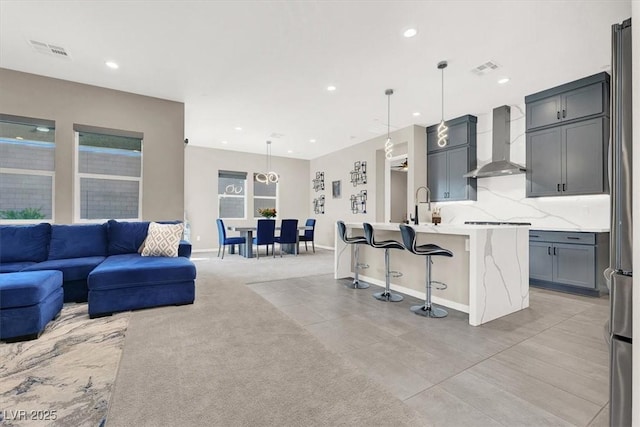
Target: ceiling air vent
{"type": "Point", "coordinates": [49, 49]}
{"type": "Point", "coordinates": [485, 68]}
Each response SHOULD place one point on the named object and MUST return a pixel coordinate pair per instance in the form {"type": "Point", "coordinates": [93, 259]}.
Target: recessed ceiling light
{"type": "Point", "coordinates": [416, 114]}
{"type": "Point", "coordinates": [289, 151]}
{"type": "Point", "coordinates": [42, 129]}
{"type": "Point", "coordinates": [225, 142]}
{"type": "Point", "coordinates": [312, 140]}
{"type": "Point", "coordinates": [112, 65]}
{"type": "Point", "coordinates": [410, 32]}
{"type": "Point", "coordinates": [331, 88]}
{"type": "Point", "coordinates": [238, 128]}
{"type": "Point", "coordinates": [503, 80]}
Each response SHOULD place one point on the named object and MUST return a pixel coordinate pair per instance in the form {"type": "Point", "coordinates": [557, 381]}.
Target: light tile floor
{"type": "Point", "coordinates": [546, 365]}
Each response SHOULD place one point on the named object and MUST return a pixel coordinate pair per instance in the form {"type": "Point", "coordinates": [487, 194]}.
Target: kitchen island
{"type": "Point", "coordinates": [488, 276]}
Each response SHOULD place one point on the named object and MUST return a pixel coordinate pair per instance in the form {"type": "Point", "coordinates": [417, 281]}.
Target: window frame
{"type": "Point", "coordinates": [79, 175]}
{"type": "Point", "coordinates": [33, 172]}
{"type": "Point", "coordinates": [243, 196]}
{"type": "Point", "coordinates": [276, 197]}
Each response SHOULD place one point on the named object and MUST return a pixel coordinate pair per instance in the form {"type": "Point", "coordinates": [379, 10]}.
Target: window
{"type": "Point", "coordinates": [27, 169]}
{"type": "Point", "coordinates": [232, 192]}
{"type": "Point", "coordinates": [264, 196]}
{"type": "Point", "coordinates": [109, 174]}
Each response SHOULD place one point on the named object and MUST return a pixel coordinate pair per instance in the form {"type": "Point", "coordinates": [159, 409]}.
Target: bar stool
{"type": "Point", "coordinates": [387, 295]}
{"type": "Point", "coordinates": [429, 250]}
{"type": "Point", "coordinates": [357, 241]}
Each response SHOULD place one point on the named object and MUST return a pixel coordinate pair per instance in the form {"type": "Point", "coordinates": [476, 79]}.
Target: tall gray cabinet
{"type": "Point", "coordinates": [446, 165]}
{"type": "Point", "coordinates": [567, 138]}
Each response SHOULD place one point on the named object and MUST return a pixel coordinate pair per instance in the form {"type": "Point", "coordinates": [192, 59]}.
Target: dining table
{"type": "Point", "coordinates": [247, 232]}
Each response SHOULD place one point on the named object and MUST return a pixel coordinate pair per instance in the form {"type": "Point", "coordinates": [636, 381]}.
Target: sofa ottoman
{"type": "Point", "coordinates": [28, 301]}
{"type": "Point", "coordinates": [130, 281]}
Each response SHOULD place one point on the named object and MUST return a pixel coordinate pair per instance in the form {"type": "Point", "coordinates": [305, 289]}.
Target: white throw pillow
{"type": "Point", "coordinates": [162, 240]}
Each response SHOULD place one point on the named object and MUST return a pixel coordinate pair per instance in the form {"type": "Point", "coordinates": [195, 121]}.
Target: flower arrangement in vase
{"type": "Point", "coordinates": [268, 212]}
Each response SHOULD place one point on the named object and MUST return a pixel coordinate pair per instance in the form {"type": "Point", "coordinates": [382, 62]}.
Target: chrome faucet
{"type": "Point", "coordinates": [428, 195]}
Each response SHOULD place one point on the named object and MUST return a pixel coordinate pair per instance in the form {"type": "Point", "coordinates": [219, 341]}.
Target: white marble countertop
{"type": "Point", "coordinates": [571, 229]}
{"type": "Point", "coordinates": [461, 229]}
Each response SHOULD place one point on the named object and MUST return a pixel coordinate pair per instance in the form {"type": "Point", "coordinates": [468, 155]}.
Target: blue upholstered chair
{"type": "Point", "coordinates": [308, 235]}
{"type": "Point", "coordinates": [288, 234]}
{"type": "Point", "coordinates": [224, 241]}
{"type": "Point", "coordinates": [265, 235]}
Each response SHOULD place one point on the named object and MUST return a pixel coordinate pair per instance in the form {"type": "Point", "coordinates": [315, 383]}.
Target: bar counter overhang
{"type": "Point", "coordinates": [488, 276]}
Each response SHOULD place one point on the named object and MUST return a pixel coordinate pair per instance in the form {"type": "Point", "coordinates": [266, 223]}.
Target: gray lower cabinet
{"type": "Point", "coordinates": [568, 261]}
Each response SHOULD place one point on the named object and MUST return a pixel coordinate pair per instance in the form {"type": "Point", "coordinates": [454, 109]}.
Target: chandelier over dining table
{"type": "Point", "coordinates": [268, 177]}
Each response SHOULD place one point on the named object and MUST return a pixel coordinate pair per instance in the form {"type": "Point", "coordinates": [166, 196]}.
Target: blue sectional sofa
{"type": "Point", "coordinates": [100, 264]}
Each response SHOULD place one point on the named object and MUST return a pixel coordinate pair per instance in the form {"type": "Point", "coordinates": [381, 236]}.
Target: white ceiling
{"type": "Point", "coordinates": [265, 65]}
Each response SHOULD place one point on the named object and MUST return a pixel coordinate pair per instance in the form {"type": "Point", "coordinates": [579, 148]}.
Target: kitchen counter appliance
{"type": "Point", "coordinates": [619, 274]}
{"type": "Point", "coordinates": [495, 223]}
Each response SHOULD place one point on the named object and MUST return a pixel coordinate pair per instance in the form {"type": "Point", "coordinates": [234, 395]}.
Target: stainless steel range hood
{"type": "Point", "coordinates": [500, 150]}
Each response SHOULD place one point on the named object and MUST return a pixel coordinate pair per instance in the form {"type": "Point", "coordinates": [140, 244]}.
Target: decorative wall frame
{"type": "Point", "coordinates": [336, 189]}
{"type": "Point", "coordinates": [359, 202]}
{"type": "Point", "coordinates": [359, 173]}
{"type": "Point", "coordinates": [318, 205]}
{"type": "Point", "coordinates": [318, 182]}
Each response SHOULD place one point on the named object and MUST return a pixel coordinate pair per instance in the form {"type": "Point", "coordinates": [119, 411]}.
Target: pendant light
{"type": "Point", "coordinates": [442, 127]}
{"type": "Point", "coordinates": [268, 177]}
{"type": "Point", "coordinates": [388, 145]}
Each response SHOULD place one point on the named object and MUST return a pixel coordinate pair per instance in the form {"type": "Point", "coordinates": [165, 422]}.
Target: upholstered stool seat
{"type": "Point", "coordinates": [428, 250]}
{"type": "Point", "coordinates": [386, 295]}
{"type": "Point", "coordinates": [357, 241]}
{"type": "Point", "coordinates": [28, 301]}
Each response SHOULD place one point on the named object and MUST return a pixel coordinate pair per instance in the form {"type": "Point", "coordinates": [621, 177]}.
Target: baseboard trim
{"type": "Point", "coordinates": [417, 294]}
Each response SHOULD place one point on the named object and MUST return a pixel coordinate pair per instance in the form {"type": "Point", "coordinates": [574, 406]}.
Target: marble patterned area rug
{"type": "Point", "coordinates": [65, 377]}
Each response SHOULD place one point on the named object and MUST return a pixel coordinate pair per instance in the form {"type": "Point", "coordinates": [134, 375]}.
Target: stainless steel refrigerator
{"type": "Point", "coordinates": [620, 268]}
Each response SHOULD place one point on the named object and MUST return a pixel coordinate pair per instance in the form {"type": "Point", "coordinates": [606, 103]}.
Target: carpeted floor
{"type": "Point", "coordinates": [66, 375]}
{"type": "Point", "coordinates": [233, 359]}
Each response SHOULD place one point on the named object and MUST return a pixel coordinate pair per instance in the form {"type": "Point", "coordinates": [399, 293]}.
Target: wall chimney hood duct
{"type": "Point", "coordinates": [500, 150]}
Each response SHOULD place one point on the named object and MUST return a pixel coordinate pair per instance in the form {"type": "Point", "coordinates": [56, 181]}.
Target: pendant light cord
{"type": "Point", "coordinates": [389, 116]}
{"type": "Point", "coordinates": [442, 98]}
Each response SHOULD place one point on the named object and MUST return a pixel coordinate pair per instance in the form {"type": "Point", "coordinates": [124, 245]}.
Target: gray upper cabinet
{"type": "Point", "coordinates": [446, 165]}
{"type": "Point", "coordinates": [572, 101]}
{"type": "Point", "coordinates": [567, 137]}
{"type": "Point", "coordinates": [567, 160]}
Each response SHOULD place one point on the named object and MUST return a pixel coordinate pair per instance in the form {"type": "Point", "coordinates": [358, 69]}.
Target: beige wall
{"type": "Point", "coordinates": [201, 189]}
{"type": "Point", "coordinates": [398, 196]}
{"type": "Point", "coordinates": [337, 166]}
{"type": "Point", "coordinates": [68, 103]}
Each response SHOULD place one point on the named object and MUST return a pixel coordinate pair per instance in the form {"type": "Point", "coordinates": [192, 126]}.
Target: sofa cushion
{"type": "Point", "coordinates": [78, 241]}
{"type": "Point", "coordinates": [162, 240]}
{"type": "Point", "coordinates": [72, 268]}
{"type": "Point", "coordinates": [125, 237]}
{"type": "Point", "coordinates": [12, 267]}
{"type": "Point", "coordinates": [131, 270]}
{"type": "Point", "coordinates": [27, 288]}
{"type": "Point", "coordinates": [24, 242]}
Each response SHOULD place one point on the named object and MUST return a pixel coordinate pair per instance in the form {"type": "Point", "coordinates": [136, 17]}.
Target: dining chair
{"type": "Point", "coordinates": [308, 235]}
{"type": "Point", "coordinates": [265, 235]}
{"type": "Point", "coordinates": [288, 234]}
{"type": "Point", "coordinates": [224, 241]}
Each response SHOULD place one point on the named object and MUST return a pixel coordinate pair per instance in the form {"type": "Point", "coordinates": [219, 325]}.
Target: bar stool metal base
{"type": "Point", "coordinates": [422, 310]}
{"type": "Point", "coordinates": [356, 284]}
{"type": "Point", "coordinates": [388, 296]}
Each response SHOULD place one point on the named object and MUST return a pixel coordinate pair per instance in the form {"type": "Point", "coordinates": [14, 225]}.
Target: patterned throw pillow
{"type": "Point", "coordinates": [162, 240]}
